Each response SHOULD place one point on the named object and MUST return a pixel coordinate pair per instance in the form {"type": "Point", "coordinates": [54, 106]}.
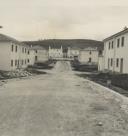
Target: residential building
{"type": "Point", "coordinates": [115, 52]}
{"type": "Point", "coordinates": [38, 54]}
{"type": "Point", "coordinates": [13, 54]}
{"type": "Point", "coordinates": [89, 55]}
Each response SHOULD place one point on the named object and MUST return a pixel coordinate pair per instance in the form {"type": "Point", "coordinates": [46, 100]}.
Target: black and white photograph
{"type": "Point", "coordinates": [63, 68]}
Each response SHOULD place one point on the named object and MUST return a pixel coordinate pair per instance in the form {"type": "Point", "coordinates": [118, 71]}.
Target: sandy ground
{"type": "Point", "coordinates": [60, 104]}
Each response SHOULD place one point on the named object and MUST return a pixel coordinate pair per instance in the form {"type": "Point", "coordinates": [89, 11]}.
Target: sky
{"type": "Point", "coordinates": [62, 19]}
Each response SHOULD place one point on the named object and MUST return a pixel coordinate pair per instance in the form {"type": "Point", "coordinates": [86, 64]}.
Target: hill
{"type": "Point", "coordinates": [73, 43]}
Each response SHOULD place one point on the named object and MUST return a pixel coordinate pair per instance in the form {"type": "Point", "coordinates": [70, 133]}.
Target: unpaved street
{"type": "Point", "coordinates": [60, 104]}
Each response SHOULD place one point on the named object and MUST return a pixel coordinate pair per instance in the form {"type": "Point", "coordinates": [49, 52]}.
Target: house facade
{"type": "Point", "coordinates": [38, 54]}
{"type": "Point", "coordinates": [115, 52]}
{"type": "Point", "coordinates": [13, 54]}
{"type": "Point", "coordinates": [31, 57]}
{"type": "Point", "coordinates": [89, 55]}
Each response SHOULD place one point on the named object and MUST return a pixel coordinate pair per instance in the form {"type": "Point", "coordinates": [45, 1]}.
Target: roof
{"type": "Point", "coordinates": [55, 47]}
{"type": "Point", "coordinates": [116, 35]}
{"type": "Point", "coordinates": [5, 38]}
{"type": "Point", "coordinates": [38, 47]}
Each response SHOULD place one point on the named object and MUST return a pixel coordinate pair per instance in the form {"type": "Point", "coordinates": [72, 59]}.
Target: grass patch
{"type": "Point", "coordinates": [77, 66]}
{"type": "Point", "coordinates": [35, 71]}
{"type": "Point", "coordinates": [118, 82]}
{"type": "Point", "coordinates": [44, 65]}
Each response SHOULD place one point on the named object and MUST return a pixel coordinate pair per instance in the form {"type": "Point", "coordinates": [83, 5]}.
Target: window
{"type": "Point", "coordinates": [90, 59]}
{"type": "Point", "coordinates": [90, 52]}
{"type": "Point", "coordinates": [16, 48]}
{"type": "Point", "coordinates": [112, 44]}
{"type": "Point", "coordinates": [122, 42]}
{"type": "Point", "coordinates": [36, 58]}
{"type": "Point", "coordinates": [28, 52]}
{"type": "Point", "coordinates": [121, 65]}
{"type": "Point", "coordinates": [18, 63]}
{"type": "Point", "coordinates": [108, 63]}
{"type": "Point", "coordinates": [36, 51]}
{"type": "Point", "coordinates": [109, 45]}
{"type": "Point", "coordinates": [100, 52]}
{"type": "Point", "coordinates": [118, 43]}
{"type": "Point", "coordinates": [25, 61]}
{"type": "Point", "coordinates": [28, 61]}
{"type": "Point", "coordinates": [15, 62]}
{"type": "Point", "coordinates": [12, 63]}
{"type": "Point", "coordinates": [22, 62]}
{"type": "Point", "coordinates": [117, 62]}
{"type": "Point", "coordinates": [111, 62]}
{"type": "Point", "coordinates": [12, 47]}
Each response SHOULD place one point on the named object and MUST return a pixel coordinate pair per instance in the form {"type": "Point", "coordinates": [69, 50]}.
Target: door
{"type": "Point", "coordinates": [121, 65]}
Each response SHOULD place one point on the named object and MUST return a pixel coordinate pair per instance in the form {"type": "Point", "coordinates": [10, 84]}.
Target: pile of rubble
{"type": "Point", "coordinates": [14, 74]}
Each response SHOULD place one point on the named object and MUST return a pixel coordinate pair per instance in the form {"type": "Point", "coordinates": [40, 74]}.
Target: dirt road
{"type": "Point", "coordinates": [60, 104]}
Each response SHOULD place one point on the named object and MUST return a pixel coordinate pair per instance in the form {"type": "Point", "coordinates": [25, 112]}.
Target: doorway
{"type": "Point", "coordinates": [121, 65]}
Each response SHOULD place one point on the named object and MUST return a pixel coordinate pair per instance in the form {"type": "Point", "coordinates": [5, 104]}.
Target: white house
{"type": "Point", "coordinates": [38, 54]}
{"type": "Point", "coordinates": [116, 52]}
{"type": "Point", "coordinates": [89, 55]}
{"type": "Point", "coordinates": [13, 54]}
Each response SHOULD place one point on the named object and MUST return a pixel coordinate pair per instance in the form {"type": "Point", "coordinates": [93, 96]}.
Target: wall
{"type": "Point", "coordinates": [101, 63]}
{"type": "Point", "coordinates": [42, 55]}
{"type": "Point", "coordinates": [5, 63]}
{"type": "Point", "coordinates": [85, 55]}
{"type": "Point", "coordinates": [31, 57]}
{"type": "Point", "coordinates": [23, 56]}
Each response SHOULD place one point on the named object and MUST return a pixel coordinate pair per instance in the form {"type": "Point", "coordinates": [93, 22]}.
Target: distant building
{"type": "Point", "coordinates": [13, 54]}
{"type": "Point", "coordinates": [116, 52]}
{"type": "Point", "coordinates": [40, 54]}
{"type": "Point", "coordinates": [73, 53]}
{"type": "Point", "coordinates": [55, 53]}
{"type": "Point", "coordinates": [89, 55]}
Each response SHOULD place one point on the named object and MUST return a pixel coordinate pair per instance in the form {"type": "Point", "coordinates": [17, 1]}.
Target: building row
{"type": "Point", "coordinates": [18, 55]}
